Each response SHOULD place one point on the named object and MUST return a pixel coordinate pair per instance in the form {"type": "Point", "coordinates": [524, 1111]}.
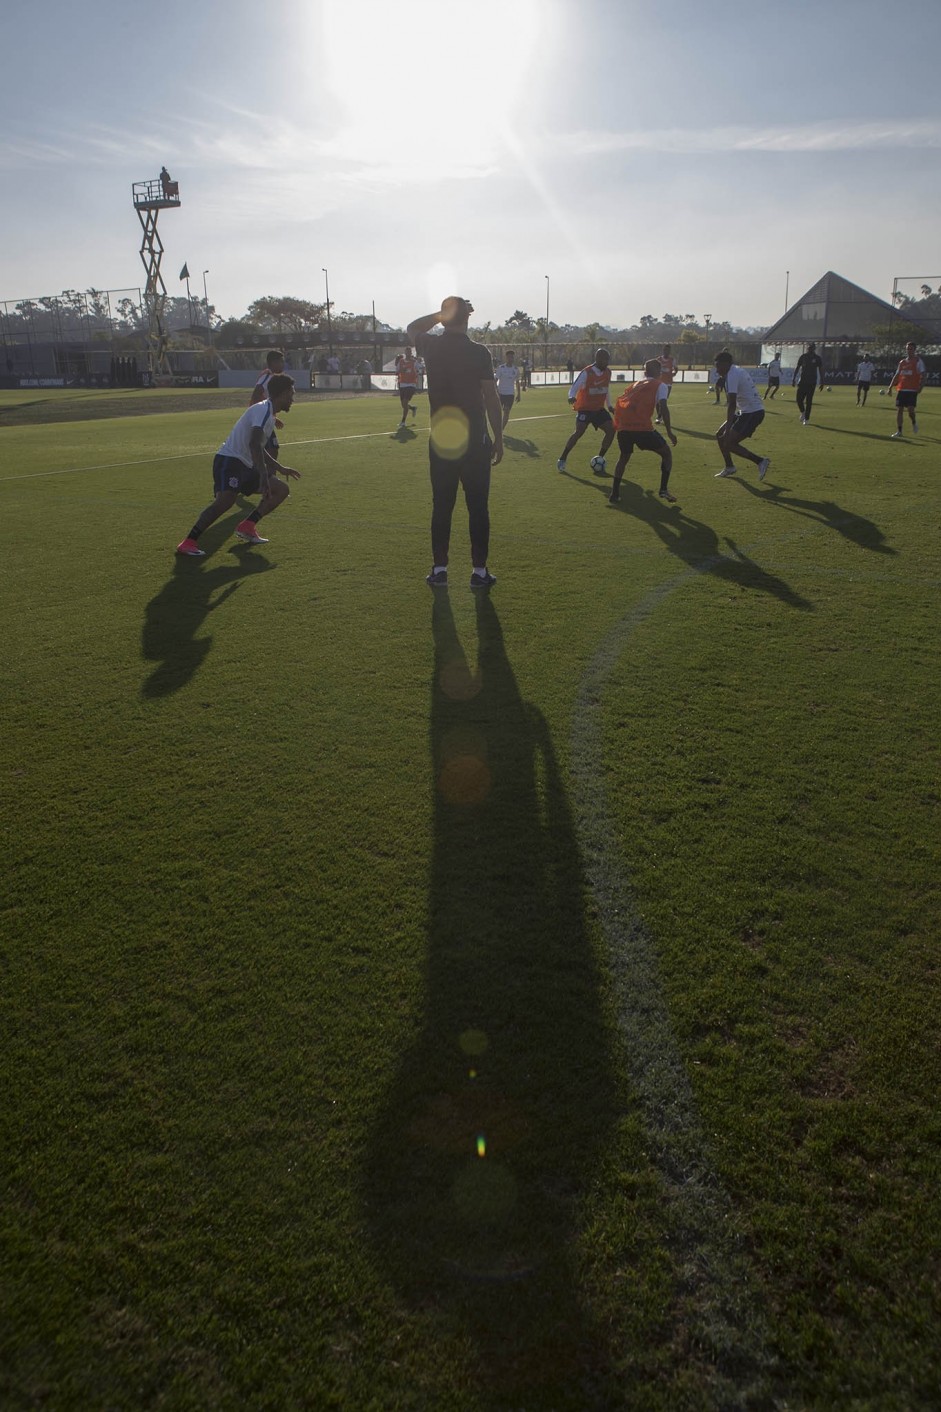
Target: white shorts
{"type": "Point", "coordinates": [663, 391]}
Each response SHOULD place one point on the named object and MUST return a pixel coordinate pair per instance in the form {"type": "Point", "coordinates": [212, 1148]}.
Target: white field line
{"type": "Point", "coordinates": [717, 1287]}
{"type": "Point", "coordinates": [190, 455]}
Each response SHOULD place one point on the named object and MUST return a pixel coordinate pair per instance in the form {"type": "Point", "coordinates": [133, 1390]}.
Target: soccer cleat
{"type": "Point", "coordinates": [803, 421]}
{"type": "Point", "coordinates": [665, 495]}
{"type": "Point", "coordinates": [437, 579]}
{"type": "Point", "coordinates": [413, 410]}
{"type": "Point", "coordinates": [914, 426]}
{"type": "Point", "coordinates": [764, 465]}
{"type": "Point", "coordinates": [247, 532]}
{"type": "Point", "coordinates": [190, 547]}
{"type": "Point", "coordinates": [896, 436]}
{"type": "Point", "coordinates": [614, 498]}
{"type": "Point", "coordinates": [484, 580]}
{"type": "Point", "coordinates": [560, 464]}
{"type": "Point", "coordinates": [726, 471]}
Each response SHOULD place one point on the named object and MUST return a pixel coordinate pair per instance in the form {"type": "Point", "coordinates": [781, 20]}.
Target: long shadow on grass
{"type": "Point", "coordinates": [697, 544]}
{"type": "Point", "coordinates": [489, 1132]}
{"type": "Point", "coordinates": [825, 512]}
{"type": "Point", "coordinates": [522, 446]}
{"type": "Point", "coordinates": [173, 617]}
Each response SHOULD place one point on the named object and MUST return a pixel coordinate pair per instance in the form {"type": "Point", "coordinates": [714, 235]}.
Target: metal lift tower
{"type": "Point", "coordinates": [150, 198]}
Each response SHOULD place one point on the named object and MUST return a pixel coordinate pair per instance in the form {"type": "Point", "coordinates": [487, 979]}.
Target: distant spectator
{"type": "Point", "coordinates": [165, 183]}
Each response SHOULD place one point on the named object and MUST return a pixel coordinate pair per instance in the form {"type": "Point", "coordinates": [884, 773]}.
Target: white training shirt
{"type": "Point", "coordinates": [505, 377]}
{"type": "Point", "coordinates": [774, 368]}
{"type": "Point", "coordinates": [865, 371]}
{"type": "Point", "coordinates": [739, 382]}
{"type": "Point", "coordinates": [238, 441]}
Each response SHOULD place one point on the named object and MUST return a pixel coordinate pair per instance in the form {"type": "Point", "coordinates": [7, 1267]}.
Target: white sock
{"type": "Point", "coordinates": [482, 572]}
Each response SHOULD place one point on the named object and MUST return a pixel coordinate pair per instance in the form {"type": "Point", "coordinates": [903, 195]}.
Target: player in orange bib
{"type": "Point", "coordinates": [633, 416]}
{"type": "Point", "coordinates": [589, 396]}
{"type": "Point", "coordinates": [406, 370]}
{"type": "Point", "coordinates": [909, 376]}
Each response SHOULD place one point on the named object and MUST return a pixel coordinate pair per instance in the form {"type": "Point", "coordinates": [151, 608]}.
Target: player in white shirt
{"type": "Point", "coordinates": [774, 378]}
{"type": "Point", "coordinates": [509, 384]}
{"type": "Point", "coordinates": [864, 372]}
{"type": "Point", "coordinates": [745, 416]}
{"type": "Point", "coordinates": [244, 466]}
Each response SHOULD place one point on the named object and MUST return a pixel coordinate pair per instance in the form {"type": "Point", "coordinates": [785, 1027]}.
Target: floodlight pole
{"type": "Point", "coordinates": [546, 354]}
{"type": "Point", "coordinates": [206, 302]}
{"type": "Point", "coordinates": [326, 280]}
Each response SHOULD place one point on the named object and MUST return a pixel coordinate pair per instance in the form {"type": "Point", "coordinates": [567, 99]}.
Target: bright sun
{"type": "Point", "coordinates": [426, 90]}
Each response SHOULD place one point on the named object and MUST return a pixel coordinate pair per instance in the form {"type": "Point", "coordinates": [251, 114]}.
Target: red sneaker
{"type": "Point", "coordinates": [247, 531]}
{"type": "Point", "coordinates": [190, 547]}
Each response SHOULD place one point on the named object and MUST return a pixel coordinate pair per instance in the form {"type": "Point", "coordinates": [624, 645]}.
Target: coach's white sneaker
{"type": "Point", "coordinates": [726, 471]}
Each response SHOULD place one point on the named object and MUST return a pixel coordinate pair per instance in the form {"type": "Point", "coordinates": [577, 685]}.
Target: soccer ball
{"type": "Point", "coordinates": [597, 463]}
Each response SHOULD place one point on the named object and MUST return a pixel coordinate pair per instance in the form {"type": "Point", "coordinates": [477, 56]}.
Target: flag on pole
{"type": "Point", "coordinates": [184, 273]}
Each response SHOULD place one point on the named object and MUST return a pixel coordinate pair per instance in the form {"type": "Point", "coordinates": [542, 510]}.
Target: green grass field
{"type": "Point", "coordinates": [440, 1000]}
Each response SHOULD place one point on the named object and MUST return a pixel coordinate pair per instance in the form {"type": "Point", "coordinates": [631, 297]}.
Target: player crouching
{"type": "Point", "coordinates": [244, 466]}
{"type": "Point", "coordinates": [633, 421]}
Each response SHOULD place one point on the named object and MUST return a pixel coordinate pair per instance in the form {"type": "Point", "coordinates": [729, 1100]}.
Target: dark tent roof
{"type": "Point", "coordinates": [836, 311]}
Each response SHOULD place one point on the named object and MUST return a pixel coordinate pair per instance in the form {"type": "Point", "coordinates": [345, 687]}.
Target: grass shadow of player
{"type": "Point", "coordinates": [174, 615]}
{"type": "Point", "coordinates": [490, 1132]}
{"type": "Point", "coordinates": [403, 434]}
{"type": "Point", "coordinates": [847, 431]}
{"type": "Point", "coordinates": [697, 544]}
{"type": "Point", "coordinates": [856, 528]}
{"type": "Point", "coordinates": [523, 448]}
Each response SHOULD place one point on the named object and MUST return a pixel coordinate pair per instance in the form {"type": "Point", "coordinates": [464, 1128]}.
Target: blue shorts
{"type": "Point", "coordinates": [229, 473]}
{"type": "Point", "coordinates": [601, 420]}
{"type": "Point", "coordinates": [745, 424]}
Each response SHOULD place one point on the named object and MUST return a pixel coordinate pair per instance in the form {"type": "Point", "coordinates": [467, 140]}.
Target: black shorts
{"type": "Point", "coordinates": [774, 382]}
{"type": "Point", "coordinates": [860, 385]}
{"type": "Point", "coordinates": [906, 399]}
{"type": "Point", "coordinates": [407, 390]}
{"type": "Point", "coordinates": [745, 424]}
{"type": "Point", "coordinates": [629, 441]}
{"type": "Point", "coordinates": [601, 420]}
{"type": "Point", "coordinates": [229, 473]}
{"type": "Point", "coordinates": [507, 399]}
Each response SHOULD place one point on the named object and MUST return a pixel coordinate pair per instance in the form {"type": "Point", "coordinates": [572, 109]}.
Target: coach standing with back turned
{"type": "Point", "coordinates": [462, 398]}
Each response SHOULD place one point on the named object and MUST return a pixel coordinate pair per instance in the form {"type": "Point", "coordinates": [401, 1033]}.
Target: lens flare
{"type": "Point", "coordinates": [450, 433]}
{"type": "Point", "coordinates": [464, 780]}
{"type": "Point", "coordinates": [481, 1145]}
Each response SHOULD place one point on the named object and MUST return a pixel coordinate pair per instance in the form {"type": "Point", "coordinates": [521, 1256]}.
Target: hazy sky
{"type": "Point", "coordinates": [674, 158]}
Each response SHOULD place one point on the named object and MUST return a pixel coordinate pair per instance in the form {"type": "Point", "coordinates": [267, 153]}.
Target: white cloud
{"type": "Point", "coordinates": [808, 137]}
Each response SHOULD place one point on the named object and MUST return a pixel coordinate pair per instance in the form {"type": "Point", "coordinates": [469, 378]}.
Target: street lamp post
{"type": "Point", "coordinates": [206, 300]}
{"type": "Point", "coordinates": [326, 280]}
{"type": "Point", "coordinates": [546, 355]}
